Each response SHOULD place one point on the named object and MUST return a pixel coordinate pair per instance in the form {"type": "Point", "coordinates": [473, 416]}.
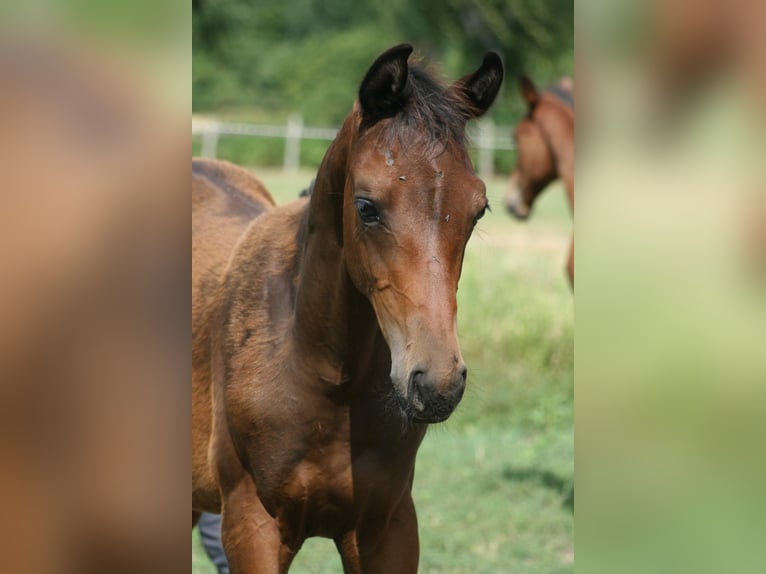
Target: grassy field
{"type": "Point", "coordinates": [494, 484]}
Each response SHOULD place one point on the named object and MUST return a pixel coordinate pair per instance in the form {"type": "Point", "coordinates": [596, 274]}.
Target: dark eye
{"type": "Point", "coordinates": [482, 213]}
{"type": "Point", "coordinates": [367, 210]}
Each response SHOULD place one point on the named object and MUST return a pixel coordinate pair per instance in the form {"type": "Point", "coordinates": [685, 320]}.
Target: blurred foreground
{"type": "Point", "coordinates": [94, 247]}
{"type": "Point", "coordinates": [671, 294]}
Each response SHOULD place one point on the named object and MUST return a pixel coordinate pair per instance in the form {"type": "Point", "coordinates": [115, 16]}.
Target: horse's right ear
{"type": "Point", "coordinates": [528, 91]}
{"type": "Point", "coordinates": [384, 89]}
{"type": "Point", "coordinates": [479, 90]}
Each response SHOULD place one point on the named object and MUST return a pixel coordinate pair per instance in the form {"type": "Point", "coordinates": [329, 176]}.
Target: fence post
{"type": "Point", "coordinates": [486, 151]}
{"type": "Point", "coordinates": [210, 142]}
{"type": "Point", "coordinates": [293, 142]}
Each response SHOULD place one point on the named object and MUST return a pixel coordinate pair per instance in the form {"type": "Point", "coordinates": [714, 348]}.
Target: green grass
{"type": "Point", "coordinates": [494, 484]}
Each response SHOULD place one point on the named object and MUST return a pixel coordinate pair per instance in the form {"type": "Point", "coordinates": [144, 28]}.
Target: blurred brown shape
{"type": "Point", "coordinates": [93, 306]}
{"type": "Point", "coordinates": [697, 42]}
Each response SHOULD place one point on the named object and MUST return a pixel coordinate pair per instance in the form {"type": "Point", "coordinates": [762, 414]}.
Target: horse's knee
{"type": "Point", "coordinates": [250, 536]}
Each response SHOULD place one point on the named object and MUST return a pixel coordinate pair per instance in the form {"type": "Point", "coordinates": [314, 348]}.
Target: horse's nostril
{"type": "Point", "coordinates": [415, 390]}
{"type": "Point", "coordinates": [463, 373]}
{"type": "Point", "coordinates": [416, 378]}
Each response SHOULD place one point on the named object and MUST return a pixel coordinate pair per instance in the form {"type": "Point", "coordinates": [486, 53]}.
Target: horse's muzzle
{"type": "Point", "coordinates": [433, 401]}
{"type": "Point", "coordinates": [515, 204]}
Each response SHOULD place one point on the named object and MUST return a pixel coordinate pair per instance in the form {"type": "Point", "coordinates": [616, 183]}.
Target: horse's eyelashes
{"type": "Point", "coordinates": [482, 213]}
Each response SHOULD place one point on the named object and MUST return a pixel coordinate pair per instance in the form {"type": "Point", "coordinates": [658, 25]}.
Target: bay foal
{"type": "Point", "coordinates": [324, 332]}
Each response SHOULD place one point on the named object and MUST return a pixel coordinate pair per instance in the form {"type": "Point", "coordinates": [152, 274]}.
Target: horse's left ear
{"type": "Point", "coordinates": [480, 89]}
{"type": "Point", "coordinates": [385, 89]}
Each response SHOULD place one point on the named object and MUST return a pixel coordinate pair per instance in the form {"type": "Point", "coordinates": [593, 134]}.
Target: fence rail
{"type": "Point", "coordinates": [485, 135]}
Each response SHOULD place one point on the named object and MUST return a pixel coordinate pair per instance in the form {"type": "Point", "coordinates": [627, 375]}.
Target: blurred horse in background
{"type": "Point", "coordinates": [545, 150]}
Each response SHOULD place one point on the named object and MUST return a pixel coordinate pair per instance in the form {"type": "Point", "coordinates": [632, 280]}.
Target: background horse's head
{"type": "Point", "coordinates": [411, 201]}
{"type": "Point", "coordinates": [535, 164]}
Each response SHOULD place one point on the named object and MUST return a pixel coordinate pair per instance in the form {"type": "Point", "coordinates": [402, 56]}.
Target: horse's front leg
{"type": "Point", "coordinates": [250, 535]}
{"type": "Point", "coordinates": [368, 550]}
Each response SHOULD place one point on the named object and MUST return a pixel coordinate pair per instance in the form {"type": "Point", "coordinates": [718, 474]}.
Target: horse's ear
{"type": "Point", "coordinates": [384, 89]}
{"type": "Point", "coordinates": [528, 91]}
{"type": "Point", "coordinates": [480, 89]}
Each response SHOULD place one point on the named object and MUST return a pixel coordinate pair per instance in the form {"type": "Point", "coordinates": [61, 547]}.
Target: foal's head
{"type": "Point", "coordinates": [410, 204]}
{"type": "Point", "coordinates": [535, 164]}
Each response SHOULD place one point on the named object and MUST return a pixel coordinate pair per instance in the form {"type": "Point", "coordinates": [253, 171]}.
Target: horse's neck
{"type": "Point", "coordinates": [563, 150]}
{"type": "Point", "coordinates": [334, 322]}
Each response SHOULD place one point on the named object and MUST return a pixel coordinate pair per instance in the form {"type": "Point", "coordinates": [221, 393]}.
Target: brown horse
{"type": "Point", "coordinates": [545, 145]}
{"type": "Point", "coordinates": [324, 332]}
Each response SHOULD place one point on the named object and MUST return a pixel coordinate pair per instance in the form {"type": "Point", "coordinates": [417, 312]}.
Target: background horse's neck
{"type": "Point", "coordinates": [558, 128]}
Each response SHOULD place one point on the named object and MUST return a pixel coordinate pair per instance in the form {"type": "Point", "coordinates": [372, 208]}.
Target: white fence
{"type": "Point", "coordinates": [485, 135]}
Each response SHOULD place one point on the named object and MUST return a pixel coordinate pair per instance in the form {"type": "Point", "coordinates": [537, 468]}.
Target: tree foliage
{"type": "Point", "coordinates": [271, 57]}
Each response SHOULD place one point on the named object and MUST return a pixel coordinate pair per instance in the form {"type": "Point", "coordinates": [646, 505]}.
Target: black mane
{"type": "Point", "coordinates": [431, 110]}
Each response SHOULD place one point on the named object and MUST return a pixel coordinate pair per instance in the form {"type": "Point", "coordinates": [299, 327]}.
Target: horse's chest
{"type": "Point", "coordinates": [323, 472]}
{"type": "Point", "coordinates": [318, 498]}
{"type": "Point", "coordinates": [330, 490]}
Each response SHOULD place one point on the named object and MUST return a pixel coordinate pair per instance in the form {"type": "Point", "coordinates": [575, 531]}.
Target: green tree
{"type": "Point", "coordinates": [273, 57]}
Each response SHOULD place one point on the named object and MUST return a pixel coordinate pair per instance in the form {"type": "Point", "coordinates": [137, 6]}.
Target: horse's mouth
{"type": "Point", "coordinates": [518, 209]}
{"type": "Point", "coordinates": [516, 206]}
{"type": "Point", "coordinates": [518, 215]}
{"type": "Point", "coordinates": [437, 418]}
{"type": "Point", "coordinates": [429, 417]}
{"type": "Point", "coordinates": [417, 411]}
